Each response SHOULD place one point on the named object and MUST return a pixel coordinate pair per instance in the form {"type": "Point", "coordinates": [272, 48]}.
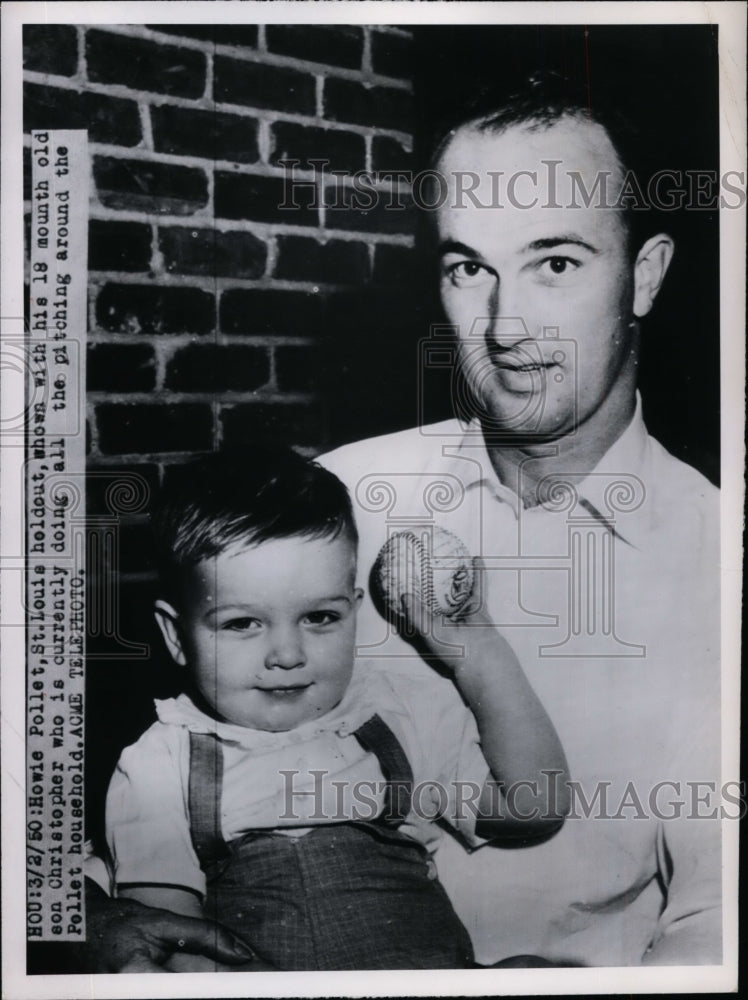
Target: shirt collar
{"type": "Point", "coordinates": [614, 487]}
{"type": "Point", "coordinates": [361, 700]}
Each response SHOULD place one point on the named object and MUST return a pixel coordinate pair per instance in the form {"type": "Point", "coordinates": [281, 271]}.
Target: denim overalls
{"type": "Point", "coordinates": [354, 895]}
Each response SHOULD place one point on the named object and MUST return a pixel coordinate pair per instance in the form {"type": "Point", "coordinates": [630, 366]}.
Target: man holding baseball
{"type": "Point", "coordinates": [599, 550]}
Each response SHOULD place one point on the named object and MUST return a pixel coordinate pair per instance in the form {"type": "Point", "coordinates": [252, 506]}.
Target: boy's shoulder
{"type": "Point", "coordinates": [408, 687]}
{"type": "Point", "coordinates": [159, 741]}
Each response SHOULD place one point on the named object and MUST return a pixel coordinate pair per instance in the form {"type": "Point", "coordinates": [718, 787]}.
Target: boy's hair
{"type": "Point", "coordinates": [247, 498]}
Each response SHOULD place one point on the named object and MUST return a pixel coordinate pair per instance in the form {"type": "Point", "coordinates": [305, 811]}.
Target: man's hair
{"type": "Point", "coordinates": [244, 498]}
{"type": "Point", "coordinates": [544, 99]}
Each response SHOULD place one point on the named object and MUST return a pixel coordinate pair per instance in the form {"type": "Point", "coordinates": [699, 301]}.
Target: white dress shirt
{"type": "Point", "coordinates": [608, 591]}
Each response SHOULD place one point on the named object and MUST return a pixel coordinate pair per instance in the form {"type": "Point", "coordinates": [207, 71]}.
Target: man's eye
{"type": "Point", "coordinates": [553, 267]}
{"type": "Point", "coordinates": [322, 617]}
{"type": "Point", "coordinates": [240, 625]}
{"type": "Point", "coordinates": [467, 273]}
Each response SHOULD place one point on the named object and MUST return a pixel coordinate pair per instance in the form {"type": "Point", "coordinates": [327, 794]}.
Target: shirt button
{"type": "Point", "coordinates": [431, 870]}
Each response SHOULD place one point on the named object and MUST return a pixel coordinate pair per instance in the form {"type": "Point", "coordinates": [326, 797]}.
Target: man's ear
{"type": "Point", "coordinates": [168, 621]}
{"type": "Point", "coordinates": [650, 269]}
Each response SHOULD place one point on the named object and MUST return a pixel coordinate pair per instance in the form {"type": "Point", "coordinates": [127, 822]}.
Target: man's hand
{"type": "Point", "coordinates": [125, 936]}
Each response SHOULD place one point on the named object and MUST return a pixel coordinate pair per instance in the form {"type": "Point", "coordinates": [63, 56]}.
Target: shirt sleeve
{"type": "Point", "coordinates": [452, 768]}
{"type": "Point", "coordinates": [689, 856]}
{"type": "Point", "coordinates": [147, 823]}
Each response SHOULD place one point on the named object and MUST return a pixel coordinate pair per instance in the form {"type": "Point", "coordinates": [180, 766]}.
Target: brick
{"type": "Point", "coordinates": [152, 309]}
{"type": "Point", "coordinates": [118, 246]}
{"type": "Point", "coordinates": [145, 65]}
{"type": "Point", "coordinates": [120, 368]}
{"type": "Point", "coordinates": [282, 423]}
{"type": "Point", "coordinates": [144, 428]}
{"type": "Point", "coordinates": [339, 45]}
{"type": "Point", "coordinates": [261, 311]}
{"type": "Point", "coordinates": [369, 211]}
{"type": "Point", "coordinates": [136, 548]}
{"type": "Point", "coordinates": [243, 35]}
{"type": "Point", "coordinates": [389, 154]}
{"type": "Point", "coordinates": [261, 199]}
{"type": "Point", "coordinates": [108, 119]}
{"type": "Point", "coordinates": [160, 188]}
{"type": "Point", "coordinates": [215, 368]}
{"type": "Point", "coordinates": [177, 474]}
{"type": "Point", "coordinates": [258, 85]}
{"type": "Point", "coordinates": [50, 48]}
{"type": "Point", "coordinates": [378, 107]}
{"type": "Point", "coordinates": [392, 55]}
{"type": "Point", "coordinates": [121, 489]}
{"type": "Point", "coordinates": [216, 136]}
{"type": "Point", "coordinates": [300, 368]}
{"type": "Point", "coordinates": [393, 265]}
{"type": "Point", "coordinates": [340, 150]}
{"type": "Point", "coordinates": [206, 251]}
{"type": "Point", "coordinates": [338, 261]}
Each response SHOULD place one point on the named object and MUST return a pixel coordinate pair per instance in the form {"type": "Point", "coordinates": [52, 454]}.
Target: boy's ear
{"type": "Point", "coordinates": [358, 596]}
{"type": "Point", "coordinates": [168, 621]}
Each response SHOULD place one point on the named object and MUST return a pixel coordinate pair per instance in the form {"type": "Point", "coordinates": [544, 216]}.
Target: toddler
{"type": "Point", "coordinates": [292, 792]}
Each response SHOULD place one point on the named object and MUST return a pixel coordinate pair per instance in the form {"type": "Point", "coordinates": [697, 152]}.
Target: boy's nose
{"type": "Point", "coordinates": [285, 652]}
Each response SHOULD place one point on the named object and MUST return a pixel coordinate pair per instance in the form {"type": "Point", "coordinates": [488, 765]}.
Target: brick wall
{"type": "Point", "coordinates": [216, 317]}
{"type": "Point", "coordinates": [208, 300]}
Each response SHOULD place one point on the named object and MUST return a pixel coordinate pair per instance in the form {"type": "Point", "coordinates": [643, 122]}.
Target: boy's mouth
{"type": "Point", "coordinates": [286, 691]}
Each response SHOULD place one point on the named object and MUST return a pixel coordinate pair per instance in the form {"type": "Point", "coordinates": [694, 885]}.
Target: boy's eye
{"type": "Point", "coordinates": [240, 625]}
{"type": "Point", "coordinates": [322, 617]}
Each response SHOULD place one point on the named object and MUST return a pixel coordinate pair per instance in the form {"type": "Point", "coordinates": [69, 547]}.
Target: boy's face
{"type": "Point", "coordinates": [268, 632]}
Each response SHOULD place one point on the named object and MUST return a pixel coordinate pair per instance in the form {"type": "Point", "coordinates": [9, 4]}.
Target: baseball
{"type": "Point", "coordinates": [429, 562]}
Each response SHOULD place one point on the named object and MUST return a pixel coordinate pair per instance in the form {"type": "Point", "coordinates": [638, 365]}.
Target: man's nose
{"type": "Point", "coordinates": [505, 329]}
{"type": "Point", "coordinates": [501, 322]}
{"type": "Point", "coordinates": [286, 651]}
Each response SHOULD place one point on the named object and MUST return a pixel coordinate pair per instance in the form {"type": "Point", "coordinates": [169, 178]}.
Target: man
{"type": "Point", "coordinates": [599, 549]}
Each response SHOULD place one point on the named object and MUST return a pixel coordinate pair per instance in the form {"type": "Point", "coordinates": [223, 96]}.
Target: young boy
{"type": "Point", "coordinates": [290, 792]}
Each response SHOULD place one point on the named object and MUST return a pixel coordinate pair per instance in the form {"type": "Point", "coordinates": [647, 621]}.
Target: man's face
{"type": "Point", "coordinates": [268, 632]}
{"type": "Point", "coordinates": [507, 273]}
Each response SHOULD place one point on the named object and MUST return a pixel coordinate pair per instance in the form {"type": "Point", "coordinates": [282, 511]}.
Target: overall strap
{"type": "Point", "coordinates": [377, 737]}
{"type": "Point", "coordinates": [205, 794]}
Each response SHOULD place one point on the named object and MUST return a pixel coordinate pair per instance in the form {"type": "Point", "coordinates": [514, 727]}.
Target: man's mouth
{"type": "Point", "coordinates": [534, 366]}
{"type": "Point", "coordinates": [514, 360]}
